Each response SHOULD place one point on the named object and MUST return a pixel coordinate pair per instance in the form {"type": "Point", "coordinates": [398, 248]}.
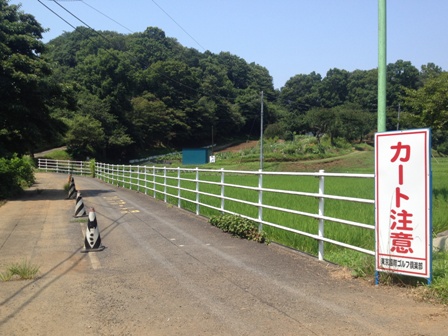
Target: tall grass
{"type": "Point", "coordinates": [341, 186]}
{"type": "Point", "coordinates": [23, 270]}
{"type": "Point", "coordinates": [440, 194]}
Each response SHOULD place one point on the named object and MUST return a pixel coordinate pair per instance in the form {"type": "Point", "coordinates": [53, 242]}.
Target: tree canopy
{"type": "Point", "coordinates": [114, 96]}
{"type": "Point", "coordinates": [27, 89]}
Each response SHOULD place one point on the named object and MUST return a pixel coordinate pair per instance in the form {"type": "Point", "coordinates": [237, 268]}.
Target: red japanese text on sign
{"type": "Point", "coordinates": [402, 202]}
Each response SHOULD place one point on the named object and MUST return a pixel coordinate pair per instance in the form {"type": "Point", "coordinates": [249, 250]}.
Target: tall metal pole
{"type": "Point", "coordinates": [382, 65]}
{"type": "Point", "coordinates": [261, 133]}
{"type": "Point", "coordinates": [260, 178]}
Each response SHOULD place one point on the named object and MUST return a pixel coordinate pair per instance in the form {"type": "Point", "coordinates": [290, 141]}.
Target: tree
{"type": "Point", "coordinates": [26, 90]}
{"type": "Point", "coordinates": [85, 137]}
{"type": "Point", "coordinates": [151, 121]}
{"type": "Point", "coordinates": [401, 75]}
{"type": "Point", "coordinates": [322, 121]}
{"type": "Point", "coordinates": [301, 93]}
{"type": "Point", "coordinates": [429, 107]}
{"type": "Point", "coordinates": [354, 123]}
{"type": "Point", "coordinates": [363, 89]}
{"type": "Point", "coordinates": [428, 71]}
{"type": "Point", "coordinates": [237, 69]}
{"type": "Point", "coordinates": [261, 80]}
{"type": "Point", "coordinates": [333, 89]}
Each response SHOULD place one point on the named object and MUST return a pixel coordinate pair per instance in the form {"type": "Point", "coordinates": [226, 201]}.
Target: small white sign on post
{"type": "Point", "coordinates": [403, 202]}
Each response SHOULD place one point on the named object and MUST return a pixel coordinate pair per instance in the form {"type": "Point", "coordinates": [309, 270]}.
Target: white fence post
{"type": "Point", "coordinates": [178, 187]}
{"type": "Point", "coordinates": [154, 181]}
{"type": "Point", "coordinates": [164, 184]}
{"type": "Point", "coordinates": [260, 200]}
{"type": "Point", "coordinates": [146, 180]}
{"type": "Point", "coordinates": [222, 191]}
{"type": "Point", "coordinates": [321, 213]}
{"type": "Point", "coordinates": [197, 190]}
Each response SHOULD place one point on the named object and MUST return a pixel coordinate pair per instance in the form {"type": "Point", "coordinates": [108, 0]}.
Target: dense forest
{"type": "Point", "coordinates": [114, 96]}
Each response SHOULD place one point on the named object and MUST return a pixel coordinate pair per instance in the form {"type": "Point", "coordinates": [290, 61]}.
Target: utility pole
{"type": "Point", "coordinates": [382, 65]}
{"type": "Point", "coordinates": [213, 140]}
{"type": "Point", "coordinates": [261, 133]}
{"type": "Point", "coordinates": [398, 120]}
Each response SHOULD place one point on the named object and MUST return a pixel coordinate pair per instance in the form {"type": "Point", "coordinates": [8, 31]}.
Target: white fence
{"type": "Point", "coordinates": [65, 166]}
{"type": "Point", "coordinates": [255, 196]}
{"type": "Point", "coordinates": [260, 196]}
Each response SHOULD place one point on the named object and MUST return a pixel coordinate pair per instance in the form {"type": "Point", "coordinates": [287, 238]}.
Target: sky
{"type": "Point", "coordinates": [288, 37]}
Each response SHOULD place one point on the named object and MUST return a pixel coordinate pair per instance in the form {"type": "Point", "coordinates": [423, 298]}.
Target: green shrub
{"type": "Point", "coordinates": [15, 174]}
{"type": "Point", "coordinates": [92, 167]}
{"type": "Point", "coordinates": [239, 226]}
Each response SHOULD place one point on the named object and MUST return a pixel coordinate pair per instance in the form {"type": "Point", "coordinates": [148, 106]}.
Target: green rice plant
{"type": "Point", "coordinates": [438, 290]}
{"type": "Point", "coordinates": [360, 264]}
{"type": "Point", "coordinates": [440, 194]}
{"type": "Point", "coordinates": [339, 186]}
{"type": "Point", "coordinates": [211, 194]}
{"type": "Point", "coordinates": [21, 270]}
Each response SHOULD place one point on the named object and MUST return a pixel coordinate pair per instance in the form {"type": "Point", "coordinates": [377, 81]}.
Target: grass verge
{"type": "Point", "coordinates": [23, 270]}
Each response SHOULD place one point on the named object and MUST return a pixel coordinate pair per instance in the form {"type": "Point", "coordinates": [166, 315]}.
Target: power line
{"type": "Point", "coordinates": [96, 32]}
{"type": "Point", "coordinates": [80, 20]}
{"type": "Point", "coordinates": [56, 14]}
{"type": "Point", "coordinates": [118, 23]}
{"type": "Point", "coordinates": [75, 28]}
{"type": "Point", "coordinates": [105, 38]}
{"type": "Point", "coordinates": [178, 25]}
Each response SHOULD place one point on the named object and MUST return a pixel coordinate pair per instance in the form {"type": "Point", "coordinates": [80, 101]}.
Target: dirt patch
{"type": "Point", "coordinates": [239, 147]}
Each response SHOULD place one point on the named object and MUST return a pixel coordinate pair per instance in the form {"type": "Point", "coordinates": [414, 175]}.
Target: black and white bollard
{"type": "Point", "coordinates": [92, 239]}
{"type": "Point", "coordinates": [72, 189]}
{"type": "Point", "coordinates": [80, 211]}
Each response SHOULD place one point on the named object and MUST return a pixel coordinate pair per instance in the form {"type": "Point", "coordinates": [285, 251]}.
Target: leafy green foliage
{"type": "Point", "coordinates": [85, 137]}
{"type": "Point", "coordinates": [15, 174]}
{"type": "Point", "coordinates": [26, 88]}
{"type": "Point", "coordinates": [239, 226]}
{"type": "Point", "coordinates": [146, 90]}
{"type": "Point", "coordinates": [429, 105]}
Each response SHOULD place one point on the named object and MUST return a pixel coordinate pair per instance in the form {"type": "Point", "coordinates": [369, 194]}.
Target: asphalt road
{"type": "Point", "coordinates": [165, 271]}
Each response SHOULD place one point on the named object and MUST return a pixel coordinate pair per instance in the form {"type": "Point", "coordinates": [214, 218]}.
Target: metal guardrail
{"type": "Point", "coordinates": [177, 182]}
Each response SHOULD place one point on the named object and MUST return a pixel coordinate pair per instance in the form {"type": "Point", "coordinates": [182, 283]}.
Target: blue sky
{"type": "Point", "coordinates": [288, 37]}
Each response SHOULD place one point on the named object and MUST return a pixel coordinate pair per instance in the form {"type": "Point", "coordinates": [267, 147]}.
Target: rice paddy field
{"type": "Point", "coordinates": [183, 192]}
{"type": "Point", "coordinates": [359, 263]}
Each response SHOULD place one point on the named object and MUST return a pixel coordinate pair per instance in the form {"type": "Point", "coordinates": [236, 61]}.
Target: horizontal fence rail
{"type": "Point", "coordinates": [65, 166]}
{"type": "Point", "coordinates": [271, 199]}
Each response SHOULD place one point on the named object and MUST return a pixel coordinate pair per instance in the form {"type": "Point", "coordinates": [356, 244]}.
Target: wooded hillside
{"type": "Point", "coordinates": [113, 96]}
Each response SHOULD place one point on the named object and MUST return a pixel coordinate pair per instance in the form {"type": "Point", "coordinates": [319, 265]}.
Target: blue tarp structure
{"type": "Point", "coordinates": [192, 156]}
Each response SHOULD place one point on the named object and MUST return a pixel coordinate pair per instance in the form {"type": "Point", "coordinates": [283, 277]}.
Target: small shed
{"type": "Point", "coordinates": [195, 156]}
